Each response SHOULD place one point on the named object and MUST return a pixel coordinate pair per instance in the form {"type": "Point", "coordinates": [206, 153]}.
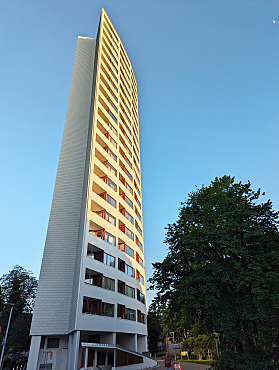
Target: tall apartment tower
{"type": "Point", "coordinates": [90, 307]}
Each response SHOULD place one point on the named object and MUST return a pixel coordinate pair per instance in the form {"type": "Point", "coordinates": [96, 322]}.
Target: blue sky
{"type": "Point", "coordinates": [207, 74]}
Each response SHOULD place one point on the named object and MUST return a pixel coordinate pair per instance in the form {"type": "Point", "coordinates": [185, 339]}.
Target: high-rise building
{"type": "Point", "coordinates": [90, 306]}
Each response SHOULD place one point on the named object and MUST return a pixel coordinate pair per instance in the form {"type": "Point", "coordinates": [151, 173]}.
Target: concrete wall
{"type": "Point", "coordinates": [62, 253]}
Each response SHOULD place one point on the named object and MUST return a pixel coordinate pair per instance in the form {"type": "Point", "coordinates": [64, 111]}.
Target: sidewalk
{"type": "Point", "coordinates": [187, 366]}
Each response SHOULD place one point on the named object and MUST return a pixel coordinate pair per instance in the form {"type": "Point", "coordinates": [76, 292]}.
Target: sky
{"type": "Point", "coordinates": [207, 74]}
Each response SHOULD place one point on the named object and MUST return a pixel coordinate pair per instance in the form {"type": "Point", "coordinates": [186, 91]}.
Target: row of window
{"type": "Point", "coordinates": [110, 152]}
{"type": "Point", "coordinates": [96, 278]}
{"type": "Point", "coordinates": [112, 185]}
{"type": "Point", "coordinates": [111, 200]}
{"type": "Point", "coordinates": [112, 73]}
{"type": "Point", "coordinates": [95, 306]}
{"type": "Point", "coordinates": [126, 70]}
{"type": "Point", "coordinates": [98, 254]}
{"type": "Point", "coordinates": [123, 131]}
{"type": "Point", "coordinates": [112, 220]}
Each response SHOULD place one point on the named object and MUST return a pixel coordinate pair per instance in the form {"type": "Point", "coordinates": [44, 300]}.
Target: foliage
{"type": "Point", "coordinates": [19, 288]}
{"type": "Point", "coordinates": [154, 328]}
{"type": "Point", "coordinates": [223, 265]}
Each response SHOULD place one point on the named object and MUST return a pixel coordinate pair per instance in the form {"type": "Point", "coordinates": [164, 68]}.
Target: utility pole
{"type": "Point", "coordinates": [7, 330]}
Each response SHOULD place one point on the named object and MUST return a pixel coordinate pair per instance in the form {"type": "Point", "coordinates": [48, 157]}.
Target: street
{"type": "Point", "coordinates": [187, 366]}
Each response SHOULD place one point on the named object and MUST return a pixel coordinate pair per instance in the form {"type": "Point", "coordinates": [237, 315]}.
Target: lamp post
{"type": "Point", "coordinates": [5, 339]}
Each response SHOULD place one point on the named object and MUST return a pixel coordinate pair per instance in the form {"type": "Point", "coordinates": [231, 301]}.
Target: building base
{"type": "Point", "coordinates": [86, 350]}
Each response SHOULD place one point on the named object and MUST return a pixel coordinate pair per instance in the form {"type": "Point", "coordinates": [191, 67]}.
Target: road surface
{"type": "Point", "coordinates": [187, 366]}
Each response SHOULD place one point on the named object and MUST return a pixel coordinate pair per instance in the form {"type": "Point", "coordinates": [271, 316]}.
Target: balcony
{"type": "Point", "coordinates": [105, 147]}
{"type": "Point", "coordinates": [101, 233]}
{"type": "Point", "coordinates": [124, 182]}
{"type": "Point", "coordinates": [125, 248]}
{"type": "Point", "coordinates": [105, 119]}
{"type": "Point", "coordinates": [139, 277]}
{"type": "Point", "coordinates": [124, 169]}
{"type": "Point", "coordinates": [125, 157]}
{"type": "Point", "coordinates": [106, 134]}
{"type": "Point", "coordinates": [125, 313]}
{"type": "Point", "coordinates": [126, 289]}
{"type": "Point", "coordinates": [125, 230]}
{"type": "Point", "coordinates": [127, 269]}
{"type": "Point", "coordinates": [141, 317]}
{"type": "Point", "coordinates": [127, 200]}
{"type": "Point", "coordinates": [106, 216]}
{"type": "Point", "coordinates": [139, 260]}
{"type": "Point", "coordinates": [94, 306]}
{"type": "Point", "coordinates": [125, 134]}
{"type": "Point", "coordinates": [109, 182]}
{"type": "Point", "coordinates": [98, 279]}
{"type": "Point", "coordinates": [126, 214]}
{"type": "Point", "coordinates": [98, 254]}
{"type": "Point", "coordinates": [139, 244]}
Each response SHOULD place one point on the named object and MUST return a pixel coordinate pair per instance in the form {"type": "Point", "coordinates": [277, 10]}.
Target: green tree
{"type": "Point", "coordinates": [17, 287]}
{"type": "Point", "coordinates": [223, 264]}
{"type": "Point", "coordinates": [154, 328]}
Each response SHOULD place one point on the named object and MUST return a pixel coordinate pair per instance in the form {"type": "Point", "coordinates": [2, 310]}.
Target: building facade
{"type": "Point", "coordinates": [90, 306]}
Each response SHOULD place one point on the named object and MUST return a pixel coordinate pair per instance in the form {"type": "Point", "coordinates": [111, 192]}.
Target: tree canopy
{"type": "Point", "coordinates": [18, 287]}
{"type": "Point", "coordinates": [222, 265]}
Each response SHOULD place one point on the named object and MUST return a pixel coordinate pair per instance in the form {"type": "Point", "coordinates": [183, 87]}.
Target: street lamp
{"type": "Point", "coordinates": [5, 339]}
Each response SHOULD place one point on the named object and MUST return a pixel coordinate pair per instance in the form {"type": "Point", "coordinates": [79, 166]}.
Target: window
{"type": "Point", "coordinates": [112, 128]}
{"type": "Point", "coordinates": [111, 184]}
{"type": "Point", "coordinates": [126, 313]}
{"type": "Point", "coordinates": [127, 160]}
{"type": "Point", "coordinates": [107, 309]}
{"type": "Point", "coordinates": [110, 238]}
{"type": "Point", "coordinates": [110, 152]}
{"type": "Point", "coordinates": [128, 150]}
{"type": "Point", "coordinates": [141, 317]}
{"type": "Point", "coordinates": [114, 85]}
{"type": "Point", "coordinates": [97, 279]}
{"type": "Point", "coordinates": [124, 247]}
{"type": "Point", "coordinates": [108, 283]}
{"type": "Point", "coordinates": [109, 260]}
{"type": "Point", "coordinates": [110, 219]}
{"type": "Point", "coordinates": [129, 291]}
{"type": "Point", "coordinates": [98, 254]}
{"type": "Point", "coordinates": [112, 93]}
{"type": "Point", "coordinates": [139, 260]}
{"type": "Point", "coordinates": [127, 200]}
{"type": "Point", "coordinates": [112, 169]}
{"type": "Point", "coordinates": [126, 289]}
{"type": "Point", "coordinates": [113, 75]}
{"type": "Point", "coordinates": [113, 106]}
{"type": "Point", "coordinates": [139, 229]}
{"type": "Point", "coordinates": [140, 296]}
{"type": "Point", "coordinates": [94, 306]}
{"type": "Point", "coordinates": [114, 67]}
{"type": "Point", "coordinates": [140, 278]}
{"type": "Point", "coordinates": [53, 342]}
{"type": "Point", "coordinates": [131, 314]}
{"type": "Point", "coordinates": [111, 201]}
{"type": "Point", "coordinates": [127, 215]}
{"type": "Point", "coordinates": [128, 174]}
{"type": "Point", "coordinates": [139, 245]}
{"type": "Point", "coordinates": [122, 266]}
{"type": "Point", "coordinates": [137, 213]}
{"type": "Point", "coordinates": [129, 270]}
{"type": "Point", "coordinates": [114, 58]}
{"type": "Point", "coordinates": [113, 117]}
{"type": "Point", "coordinates": [126, 231]}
